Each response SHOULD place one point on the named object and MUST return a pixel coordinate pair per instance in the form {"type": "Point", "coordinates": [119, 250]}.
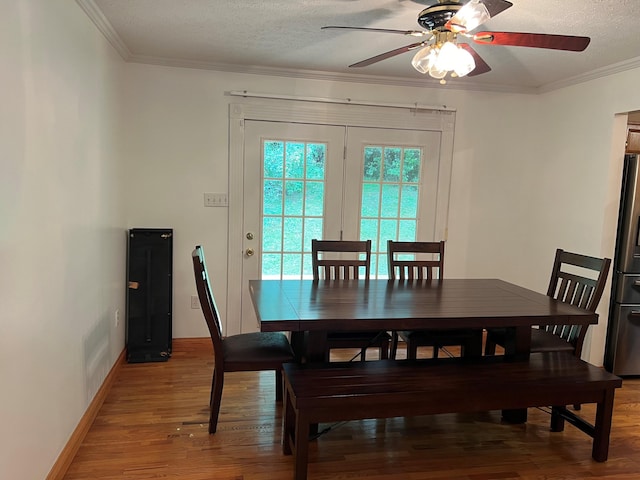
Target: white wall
{"type": "Point", "coordinates": [530, 173]}
{"type": "Point", "coordinates": [62, 242]}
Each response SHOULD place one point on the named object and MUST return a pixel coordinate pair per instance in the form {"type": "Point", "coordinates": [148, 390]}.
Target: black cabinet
{"type": "Point", "coordinates": [149, 292]}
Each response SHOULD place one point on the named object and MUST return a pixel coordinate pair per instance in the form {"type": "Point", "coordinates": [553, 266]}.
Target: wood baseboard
{"type": "Point", "coordinates": [69, 451]}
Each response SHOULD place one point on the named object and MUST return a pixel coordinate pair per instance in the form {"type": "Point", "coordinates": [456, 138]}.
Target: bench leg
{"type": "Point", "coordinates": [600, 432]}
{"type": "Point", "coordinates": [604, 411]}
{"type": "Point", "coordinates": [288, 423]}
{"type": "Point", "coordinates": [301, 447]}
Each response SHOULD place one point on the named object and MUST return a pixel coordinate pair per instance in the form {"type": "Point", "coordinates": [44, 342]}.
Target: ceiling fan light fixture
{"type": "Point", "coordinates": [424, 59]}
{"type": "Point", "coordinates": [443, 57]}
{"type": "Point", "coordinates": [469, 17]}
{"type": "Point", "coordinates": [465, 63]}
{"type": "Point", "coordinates": [447, 57]}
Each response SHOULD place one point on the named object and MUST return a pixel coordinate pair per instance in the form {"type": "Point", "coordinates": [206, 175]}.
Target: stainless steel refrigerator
{"type": "Point", "coordinates": [622, 350]}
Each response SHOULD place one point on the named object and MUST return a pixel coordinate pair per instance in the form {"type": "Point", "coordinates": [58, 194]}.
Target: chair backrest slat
{"type": "Point", "coordinates": [415, 260]}
{"type": "Point", "coordinates": [569, 283]}
{"type": "Point", "coordinates": [340, 267]}
{"type": "Point", "coordinates": [207, 302]}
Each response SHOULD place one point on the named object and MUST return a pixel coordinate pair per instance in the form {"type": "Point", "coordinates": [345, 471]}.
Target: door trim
{"type": "Point", "coordinates": [292, 111]}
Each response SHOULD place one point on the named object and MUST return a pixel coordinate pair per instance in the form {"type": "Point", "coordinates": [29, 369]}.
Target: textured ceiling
{"type": "Point", "coordinates": [283, 36]}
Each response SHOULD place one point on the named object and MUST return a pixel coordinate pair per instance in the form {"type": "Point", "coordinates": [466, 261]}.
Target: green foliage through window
{"type": "Point", "coordinates": [389, 208]}
{"type": "Point", "coordinates": [293, 205]}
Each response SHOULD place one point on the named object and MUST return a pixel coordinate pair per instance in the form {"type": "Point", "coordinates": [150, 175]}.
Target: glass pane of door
{"type": "Point", "coordinates": [293, 197]}
{"type": "Point", "coordinates": [390, 198]}
{"type": "Point", "coordinates": [398, 176]}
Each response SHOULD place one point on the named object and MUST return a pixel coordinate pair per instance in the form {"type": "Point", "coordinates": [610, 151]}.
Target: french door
{"type": "Point", "coordinates": [379, 171]}
{"type": "Point", "coordinates": [293, 179]}
{"type": "Point", "coordinates": [305, 181]}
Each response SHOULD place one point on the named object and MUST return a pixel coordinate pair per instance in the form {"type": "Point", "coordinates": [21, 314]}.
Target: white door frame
{"type": "Point", "coordinates": [293, 111]}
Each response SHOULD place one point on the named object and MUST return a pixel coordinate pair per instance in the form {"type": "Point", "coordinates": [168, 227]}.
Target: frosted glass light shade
{"type": "Point", "coordinates": [470, 16]}
{"type": "Point", "coordinates": [448, 56]}
{"type": "Point", "coordinates": [422, 59]}
{"type": "Point", "coordinates": [436, 72]}
{"type": "Point", "coordinates": [465, 62]}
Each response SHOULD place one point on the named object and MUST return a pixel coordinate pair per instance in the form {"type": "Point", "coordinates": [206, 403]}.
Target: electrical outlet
{"type": "Point", "coordinates": [195, 301]}
{"type": "Point", "coordinates": [117, 317]}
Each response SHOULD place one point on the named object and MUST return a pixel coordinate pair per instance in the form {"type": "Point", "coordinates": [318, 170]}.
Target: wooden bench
{"type": "Point", "coordinates": [316, 393]}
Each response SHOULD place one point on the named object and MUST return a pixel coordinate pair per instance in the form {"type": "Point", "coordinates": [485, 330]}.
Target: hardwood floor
{"type": "Point", "coordinates": [153, 424]}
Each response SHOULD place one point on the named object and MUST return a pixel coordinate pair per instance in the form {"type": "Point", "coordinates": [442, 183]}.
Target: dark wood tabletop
{"type": "Point", "coordinates": [352, 305]}
{"type": "Point", "coordinates": [360, 305]}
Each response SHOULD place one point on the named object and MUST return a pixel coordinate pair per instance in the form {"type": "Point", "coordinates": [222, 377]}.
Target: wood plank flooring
{"type": "Point", "coordinates": [153, 425]}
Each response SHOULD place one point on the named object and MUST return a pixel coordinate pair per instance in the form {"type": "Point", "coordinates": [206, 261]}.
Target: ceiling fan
{"type": "Point", "coordinates": [446, 22]}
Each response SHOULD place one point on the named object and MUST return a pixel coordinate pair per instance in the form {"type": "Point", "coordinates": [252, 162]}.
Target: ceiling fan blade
{"type": "Point", "coordinates": [536, 40]}
{"type": "Point", "coordinates": [464, 20]}
{"type": "Point", "coordinates": [481, 65]}
{"type": "Point", "coordinates": [389, 54]}
{"type": "Point", "coordinates": [413, 33]}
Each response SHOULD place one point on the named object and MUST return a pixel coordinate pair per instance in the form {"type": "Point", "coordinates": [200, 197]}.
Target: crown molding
{"type": "Point", "coordinates": [427, 82]}
{"type": "Point", "coordinates": [105, 27]}
{"type": "Point", "coordinates": [612, 69]}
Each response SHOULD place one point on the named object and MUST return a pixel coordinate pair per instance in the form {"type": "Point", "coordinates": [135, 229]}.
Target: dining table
{"type": "Point", "coordinates": [311, 308]}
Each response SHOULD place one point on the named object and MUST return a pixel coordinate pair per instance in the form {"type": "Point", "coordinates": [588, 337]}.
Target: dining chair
{"type": "Point", "coordinates": [343, 260]}
{"type": "Point", "coordinates": [243, 352]}
{"type": "Point", "coordinates": [576, 279]}
{"type": "Point", "coordinates": [423, 261]}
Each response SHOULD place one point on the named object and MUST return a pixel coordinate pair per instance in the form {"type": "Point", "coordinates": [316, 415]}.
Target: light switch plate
{"type": "Point", "coordinates": [195, 302]}
{"type": "Point", "coordinates": [215, 200]}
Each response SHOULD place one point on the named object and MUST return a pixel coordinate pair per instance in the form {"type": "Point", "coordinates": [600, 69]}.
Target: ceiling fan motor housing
{"type": "Point", "coordinates": [436, 16]}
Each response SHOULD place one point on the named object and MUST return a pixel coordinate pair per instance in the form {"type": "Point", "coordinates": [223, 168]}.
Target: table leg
{"type": "Point", "coordinates": [309, 346]}
{"type": "Point", "coordinates": [298, 344]}
{"type": "Point", "coordinates": [473, 346]}
{"type": "Point", "coordinates": [518, 347]}
{"type": "Point", "coordinates": [316, 346]}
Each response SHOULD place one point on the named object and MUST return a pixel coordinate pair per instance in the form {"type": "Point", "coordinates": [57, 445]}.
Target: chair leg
{"type": "Point", "coordinates": [412, 350]}
{"type": "Point", "coordinates": [216, 396]}
{"type": "Point", "coordinates": [384, 351]}
{"type": "Point", "coordinates": [436, 350]}
{"type": "Point", "coordinates": [394, 345]}
{"type": "Point", "coordinates": [279, 385]}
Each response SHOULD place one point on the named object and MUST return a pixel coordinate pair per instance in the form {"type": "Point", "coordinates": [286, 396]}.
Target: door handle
{"type": "Point", "coordinates": [249, 252]}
